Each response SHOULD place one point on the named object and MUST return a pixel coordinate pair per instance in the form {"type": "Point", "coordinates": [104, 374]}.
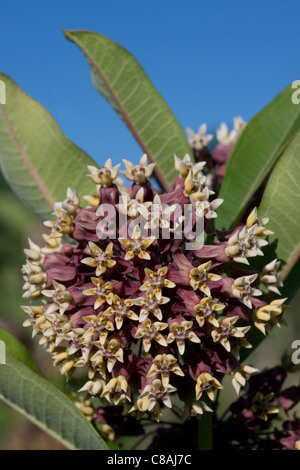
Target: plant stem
{"type": "Point", "coordinates": [205, 432]}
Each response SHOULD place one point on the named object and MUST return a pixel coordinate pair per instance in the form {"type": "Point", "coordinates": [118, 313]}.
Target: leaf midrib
{"type": "Point", "coordinates": [161, 179]}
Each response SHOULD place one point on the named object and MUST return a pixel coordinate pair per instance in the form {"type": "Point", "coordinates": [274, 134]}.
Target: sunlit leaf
{"type": "Point", "coordinates": [36, 158]}
{"type": "Point", "coordinates": [118, 76]}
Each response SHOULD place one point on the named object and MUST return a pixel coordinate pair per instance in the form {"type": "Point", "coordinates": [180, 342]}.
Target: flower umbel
{"type": "Point", "coordinates": [148, 320]}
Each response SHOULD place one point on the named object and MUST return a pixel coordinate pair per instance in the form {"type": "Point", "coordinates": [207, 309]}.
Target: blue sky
{"type": "Point", "coordinates": [211, 60]}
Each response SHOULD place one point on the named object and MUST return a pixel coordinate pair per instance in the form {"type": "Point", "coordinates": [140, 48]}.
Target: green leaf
{"type": "Point", "coordinates": [281, 203]}
{"type": "Point", "coordinates": [41, 402]}
{"type": "Point", "coordinates": [118, 76]}
{"type": "Point", "coordinates": [36, 158]}
{"type": "Point", "coordinates": [16, 350]}
{"type": "Point", "coordinates": [254, 155]}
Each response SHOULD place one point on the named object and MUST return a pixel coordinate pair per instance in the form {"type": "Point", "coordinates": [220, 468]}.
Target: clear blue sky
{"type": "Point", "coordinates": [211, 60]}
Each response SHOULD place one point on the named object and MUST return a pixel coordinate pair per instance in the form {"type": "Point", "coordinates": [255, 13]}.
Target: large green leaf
{"type": "Point", "coordinates": [281, 203]}
{"type": "Point", "coordinates": [118, 76]}
{"type": "Point", "coordinates": [36, 158]}
{"type": "Point", "coordinates": [254, 155]}
{"type": "Point", "coordinates": [41, 402]}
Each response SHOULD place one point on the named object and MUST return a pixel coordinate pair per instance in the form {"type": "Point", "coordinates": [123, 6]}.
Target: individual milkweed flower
{"type": "Point", "coordinates": [243, 244]}
{"type": "Point", "coordinates": [101, 260]}
{"type": "Point", "coordinates": [269, 314]}
{"type": "Point", "coordinates": [154, 393]}
{"type": "Point", "coordinates": [242, 289]}
{"type": "Point", "coordinates": [52, 244]}
{"type": "Point", "coordinates": [205, 208]}
{"type": "Point", "coordinates": [200, 139]}
{"type": "Point", "coordinates": [56, 327]}
{"type": "Point", "coordinates": [194, 187]}
{"type": "Point", "coordinates": [164, 364]}
{"type": "Point", "coordinates": [63, 225]}
{"type": "Point", "coordinates": [157, 281]}
{"type": "Point", "coordinates": [136, 246]}
{"type": "Point", "coordinates": [36, 318]}
{"type": "Point", "coordinates": [133, 207]}
{"type": "Point", "coordinates": [205, 311]}
{"type": "Point", "coordinates": [121, 309]}
{"type": "Point", "coordinates": [269, 276]}
{"type": "Point", "coordinates": [238, 124]}
{"type": "Point", "coordinates": [35, 279]}
{"type": "Point", "coordinates": [195, 408]}
{"type": "Point", "coordinates": [160, 214]}
{"type": "Point", "coordinates": [60, 296]}
{"type": "Point", "coordinates": [65, 362]}
{"type": "Point", "coordinates": [185, 165]}
{"type": "Point", "coordinates": [149, 332]}
{"type": "Point", "coordinates": [237, 345]}
{"type": "Point", "coordinates": [138, 173]}
{"type": "Point", "coordinates": [96, 368]}
{"type": "Point", "coordinates": [141, 406]}
{"type": "Point", "coordinates": [117, 387]}
{"type": "Point", "coordinates": [93, 387]}
{"type": "Point", "coordinates": [206, 383]}
{"type": "Point", "coordinates": [105, 175]}
{"type": "Point", "coordinates": [180, 332]}
{"type": "Point", "coordinates": [225, 330]}
{"type": "Point", "coordinates": [34, 253]}
{"type": "Point", "coordinates": [262, 406]}
{"type": "Point", "coordinates": [200, 276]}
{"type": "Point", "coordinates": [241, 376]}
{"type": "Point", "coordinates": [110, 352]}
{"type": "Point", "coordinates": [224, 136]}
{"type": "Point", "coordinates": [98, 325]}
{"type": "Point", "coordinates": [70, 204]}
{"type": "Point", "coordinates": [102, 291]}
{"type": "Point", "coordinates": [260, 230]}
{"type": "Point", "coordinates": [79, 342]}
{"type": "Point", "coordinates": [150, 305]}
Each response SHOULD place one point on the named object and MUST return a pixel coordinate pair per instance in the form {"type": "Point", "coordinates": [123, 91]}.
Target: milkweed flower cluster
{"type": "Point", "coordinates": [150, 319]}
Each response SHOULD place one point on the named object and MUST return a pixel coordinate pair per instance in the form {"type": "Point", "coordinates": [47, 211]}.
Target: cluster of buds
{"type": "Point", "coordinates": [152, 319]}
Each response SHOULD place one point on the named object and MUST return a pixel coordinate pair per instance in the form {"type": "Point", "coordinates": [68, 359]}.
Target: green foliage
{"type": "Point", "coordinates": [36, 158]}
{"type": "Point", "coordinates": [17, 223]}
{"type": "Point", "coordinates": [118, 76]}
{"type": "Point", "coordinates": [16, 350]}
{"type": "Point", "coordinates": [43, 404]}
{"type": "Point", "coordinates": [254, 155]}
{"type": "Point", "coordinates": [281, 203]}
